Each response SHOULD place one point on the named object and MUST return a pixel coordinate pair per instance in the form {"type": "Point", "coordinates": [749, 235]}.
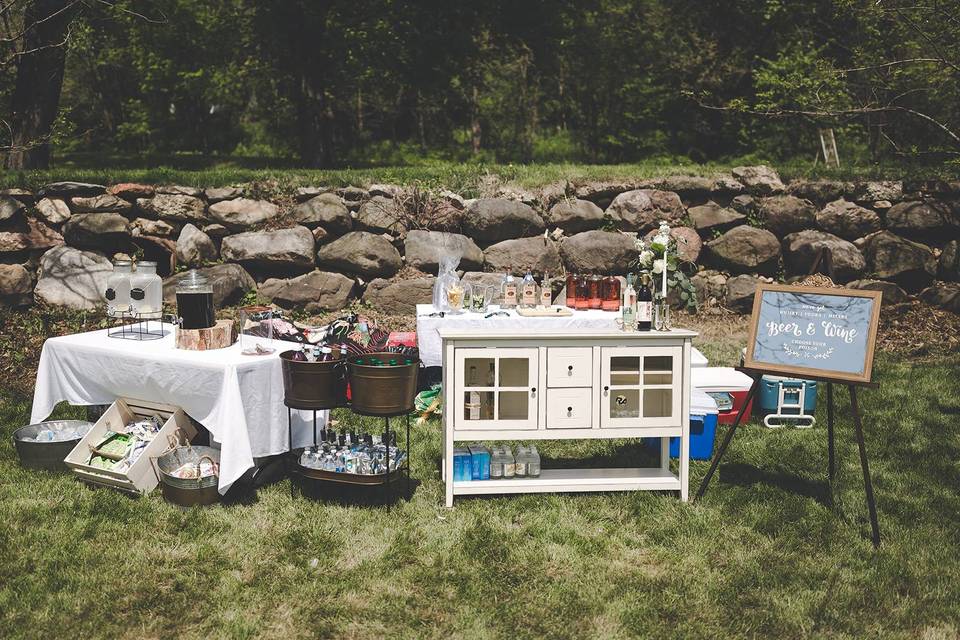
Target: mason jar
{"type": "Point", "coordinates": [146, 290]}
{"type": "Point", "coordinates": [195, 302]}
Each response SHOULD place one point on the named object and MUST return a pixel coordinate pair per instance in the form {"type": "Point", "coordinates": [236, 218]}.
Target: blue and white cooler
{"type": "Point", "coordinates": [703, 428]}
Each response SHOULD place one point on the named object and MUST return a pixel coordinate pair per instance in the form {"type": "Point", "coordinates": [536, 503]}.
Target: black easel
{"type": "Point", "coordinates": [823, 262]}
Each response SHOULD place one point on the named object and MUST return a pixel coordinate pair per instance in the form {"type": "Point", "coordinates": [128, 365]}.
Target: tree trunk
{"type": "Point", "coordinates": [36, 97]}
{"type": "Point", "coordinates": [475, 131]}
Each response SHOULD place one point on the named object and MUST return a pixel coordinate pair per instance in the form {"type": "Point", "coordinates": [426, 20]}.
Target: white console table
{"type": "Point", "coordinates": [566, 385]}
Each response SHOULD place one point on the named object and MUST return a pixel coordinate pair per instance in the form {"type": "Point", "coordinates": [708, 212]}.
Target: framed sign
{"type": "Point", "coordinates": [816, 332]}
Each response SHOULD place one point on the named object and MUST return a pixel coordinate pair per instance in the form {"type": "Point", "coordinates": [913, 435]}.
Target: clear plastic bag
{"type": "Point", "coordinates": [448, 290]}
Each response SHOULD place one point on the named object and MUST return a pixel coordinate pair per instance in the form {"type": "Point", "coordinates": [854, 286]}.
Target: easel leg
{"type": "Point", "coordinates": [726, 440]}
{"type": "Point", "coordinates": [830, 454]}
{"type": "Point", "coordinates": [868, 485]}
{"type": "Point", "coordinates": [409, 495]}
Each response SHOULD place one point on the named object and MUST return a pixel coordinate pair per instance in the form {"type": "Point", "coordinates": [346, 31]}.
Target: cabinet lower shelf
{"type": "Point", "coordinates": [569, 480]}
{"type": "Point", "coordinates": [463, 434]}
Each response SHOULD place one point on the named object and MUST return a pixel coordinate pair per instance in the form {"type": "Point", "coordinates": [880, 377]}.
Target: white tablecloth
{"type": "Point", "coordinates": [428, 336]}
{"type": "Point", "coordinates": [238, 398]}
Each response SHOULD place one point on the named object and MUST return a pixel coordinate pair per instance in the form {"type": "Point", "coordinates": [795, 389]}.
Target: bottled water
{"type": "Point", "coordinates": [351, 453]}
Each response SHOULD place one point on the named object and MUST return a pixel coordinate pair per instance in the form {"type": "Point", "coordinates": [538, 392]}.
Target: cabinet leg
{"type": "Point", "coordinates": [665, 453]}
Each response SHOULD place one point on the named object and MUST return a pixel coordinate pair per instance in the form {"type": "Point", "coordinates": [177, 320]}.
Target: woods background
{"type": "Point", "coordinates": [347, 83]}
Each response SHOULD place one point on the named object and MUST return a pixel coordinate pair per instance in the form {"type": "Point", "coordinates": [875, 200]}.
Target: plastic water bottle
{"type": "Point", "coordinates": [533, 462]}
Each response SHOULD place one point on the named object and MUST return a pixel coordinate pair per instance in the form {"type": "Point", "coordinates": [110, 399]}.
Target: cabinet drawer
{"type": "Point", "coordinates": [569, 366]}
{"type": "Point", "coordinates": [569, 408]}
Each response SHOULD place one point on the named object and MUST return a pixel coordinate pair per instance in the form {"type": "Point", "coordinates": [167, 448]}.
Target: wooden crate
{"type": "Point", "coordinates": [141, 477]}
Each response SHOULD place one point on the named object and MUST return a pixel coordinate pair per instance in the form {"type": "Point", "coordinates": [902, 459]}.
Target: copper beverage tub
{"type": "Point", "coordinates": [313, 385]}
{"type": "Point", "coordinates": [383, 390]}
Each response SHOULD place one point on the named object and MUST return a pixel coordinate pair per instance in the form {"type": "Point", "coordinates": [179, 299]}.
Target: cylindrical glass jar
{"type": "Point", "coordinates": [572, 290]}
{"type": "Point", "coordinates": [146, 290]}
{"type": "Point", "coordinates": [583, 292]}
{"type": "Point", "coordinates": [611, 294]}
{"type": "Point", "coordinates": [117, 292]}
{"type": "Point", "coordinates": [195, 302]}
{"type": "Point", "coordinates": [256, 330]}
{"type": "Point", "coordinates": [596, 297]}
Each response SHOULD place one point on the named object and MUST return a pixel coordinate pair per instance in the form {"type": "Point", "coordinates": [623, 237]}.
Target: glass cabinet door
{"type": "Point", "coordinates": [640, 386]}
{"type": "Point", "coordinates": [496, 388]}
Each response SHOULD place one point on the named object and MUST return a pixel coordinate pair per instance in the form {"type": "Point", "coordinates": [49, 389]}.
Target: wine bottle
{"type": "Point", "coordinates": [644, 304]}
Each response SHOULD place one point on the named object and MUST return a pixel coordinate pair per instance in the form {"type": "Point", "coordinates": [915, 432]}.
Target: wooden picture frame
{"type": "Point", "coordinates": [822, 373]}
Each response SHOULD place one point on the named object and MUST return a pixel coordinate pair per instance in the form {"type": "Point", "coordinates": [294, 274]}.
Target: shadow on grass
{"type": "Point", "coordinates": [747, 475]}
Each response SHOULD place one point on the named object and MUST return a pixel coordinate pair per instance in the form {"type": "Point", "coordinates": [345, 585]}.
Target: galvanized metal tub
{"type": "Point", "coordinates": [46, 455]}
{"type": "Point", "coordinates": [188, 492]}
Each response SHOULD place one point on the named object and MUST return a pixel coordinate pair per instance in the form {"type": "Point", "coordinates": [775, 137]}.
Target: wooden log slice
{"type": "Point", "coordinates": [219, 336]}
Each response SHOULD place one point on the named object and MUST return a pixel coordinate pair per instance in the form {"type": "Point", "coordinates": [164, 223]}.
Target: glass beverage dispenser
{"type": "Point", "coordinates": [195, 302]}
{"type": "Point", "coordinates": [146, 290]}
{"type": "Point", "coordinates": [117, 291]}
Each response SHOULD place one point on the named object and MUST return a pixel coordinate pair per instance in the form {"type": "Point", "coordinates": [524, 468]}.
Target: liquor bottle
{"type": "Point", "coordinates": [508, 290]}
{"type": "Point", "coordinates": [610, 293]}
{"type": "Point", "coordinates": [528, 291]}
{"type": "Point", "coordinates": [571, 291]}
{"type": "Point", "coordinates": [629, 306]}
{"type": "Point", "coordinates": [299, 355]}
{"type": "Point", "coordinates": [546, 290]}
{"type": "Point", "coordinates": [644, 304]}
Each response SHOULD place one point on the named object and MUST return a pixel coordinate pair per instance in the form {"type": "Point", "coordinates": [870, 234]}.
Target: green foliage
{"type": "Point", "coordinates": [347, 84]}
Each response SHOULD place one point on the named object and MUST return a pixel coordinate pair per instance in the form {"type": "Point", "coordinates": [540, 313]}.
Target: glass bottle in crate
{"type": "Point", "coordinates": [571, 290]}
{"type": "Point", "coordinates": [146, 290]}
{"type": "Point", "coordinates": [611, 294]}
{"type": "Point", "coordinates": [117, 292]}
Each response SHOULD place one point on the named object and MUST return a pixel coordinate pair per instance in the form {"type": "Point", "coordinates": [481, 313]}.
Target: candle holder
{"type": "Point", "coordinates": [661, 314]}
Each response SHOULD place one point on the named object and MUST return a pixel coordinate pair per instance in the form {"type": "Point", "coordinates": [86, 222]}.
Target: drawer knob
{"type": "Point", "coordinates": [569, 411]}
{"type": "Point", "coordinates": [570, 369]}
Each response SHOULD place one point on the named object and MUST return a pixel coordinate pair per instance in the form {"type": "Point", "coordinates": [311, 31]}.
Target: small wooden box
{"type": "Point", "coordinates": [141, 477]}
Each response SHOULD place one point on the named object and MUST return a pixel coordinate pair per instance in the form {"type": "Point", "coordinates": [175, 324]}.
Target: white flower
{"type": "Point", "coordinates": [639, 244]}
{"type": "Point", "coordinates": [658, 266]}
{"type": "Point", "coordinates": [646, 257]}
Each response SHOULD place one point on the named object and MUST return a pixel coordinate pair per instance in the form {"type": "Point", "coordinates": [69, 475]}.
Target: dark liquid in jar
{"type": "Point", "coordinates": [196, 310]}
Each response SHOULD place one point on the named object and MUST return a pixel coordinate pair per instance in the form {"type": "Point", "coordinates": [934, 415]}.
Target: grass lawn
{"type": "Point", "coordinates": [463, 178]}
{"type": "Point", "coordinates": [764, 554]}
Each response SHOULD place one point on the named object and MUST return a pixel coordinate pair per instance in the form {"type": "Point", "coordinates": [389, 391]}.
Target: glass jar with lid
{"type": "Point", "coordinates": [596, 298]}
{"type": "Point", "coordinates": [611, 294]}
{"type": "Point", "coordinates": [582, 300]}
{"type": "Point", "coordinates": [117, 291]}
{"type": "Point", "coordinates": [146, 290]}
{"type": "Point", "coordinates": [195, 302]}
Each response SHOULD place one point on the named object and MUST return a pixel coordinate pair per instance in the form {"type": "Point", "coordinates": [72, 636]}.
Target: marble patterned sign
{"type": "Point", "coordinates": [819, 332]}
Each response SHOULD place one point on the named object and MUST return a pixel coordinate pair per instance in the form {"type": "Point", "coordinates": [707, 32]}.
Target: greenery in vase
{"type": "Point", "coordinates": [679, 272]}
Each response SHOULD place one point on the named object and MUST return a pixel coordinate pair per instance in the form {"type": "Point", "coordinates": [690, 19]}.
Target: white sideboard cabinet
{"type": "Point", "coordinates": [574, 384]}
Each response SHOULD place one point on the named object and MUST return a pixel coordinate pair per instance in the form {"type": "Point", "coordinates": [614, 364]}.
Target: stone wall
{"type": "Point", "coordinates": [319, 249]}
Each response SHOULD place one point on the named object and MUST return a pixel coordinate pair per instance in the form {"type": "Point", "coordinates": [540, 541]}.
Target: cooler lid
{"type": "Point", "coordinates": [720, 379]}
{"type": "Point", "coordinates": [701, 404]}
{"type": "Point", "coordinates": [697, 359]}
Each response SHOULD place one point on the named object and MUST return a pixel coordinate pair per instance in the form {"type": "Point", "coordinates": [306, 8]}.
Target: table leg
{"type": "Point", "coordinates": [868, 485]}
{"type": "Point", "coordinates": [726, 441]}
